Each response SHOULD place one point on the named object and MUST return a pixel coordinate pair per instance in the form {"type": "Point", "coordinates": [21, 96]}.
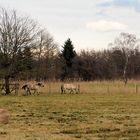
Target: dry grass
{"type": "Point", "coordinates": [97, 87]}
{"type": "Point", "coordinates": [93, 114]}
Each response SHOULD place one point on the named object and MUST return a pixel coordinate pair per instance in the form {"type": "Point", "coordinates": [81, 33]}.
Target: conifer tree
{"type": "Point", "coordinates": [68, 53]}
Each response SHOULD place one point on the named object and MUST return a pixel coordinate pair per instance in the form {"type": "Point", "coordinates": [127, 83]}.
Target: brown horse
{"type": "Point", "coordinates": [32, 87]}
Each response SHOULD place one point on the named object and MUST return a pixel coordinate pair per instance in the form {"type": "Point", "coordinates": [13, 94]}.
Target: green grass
{"type": "Point", "coordinates": [86, 116]}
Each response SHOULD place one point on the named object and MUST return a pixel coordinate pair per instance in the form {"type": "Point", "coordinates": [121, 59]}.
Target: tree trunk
{"type": "Point", "coordinates": [125, 75]}
{"type": "Point", "coordinates": [7, 88]}
{"type": "Point", "coordinates": [125, 71]}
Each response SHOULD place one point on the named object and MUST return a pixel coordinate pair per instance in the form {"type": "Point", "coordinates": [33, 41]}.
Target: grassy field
{"type": "Point", "coordinates": [106, 110]}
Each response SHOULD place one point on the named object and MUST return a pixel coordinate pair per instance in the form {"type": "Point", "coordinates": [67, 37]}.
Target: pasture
{"type": "Point", "coordinates": [102, 110]}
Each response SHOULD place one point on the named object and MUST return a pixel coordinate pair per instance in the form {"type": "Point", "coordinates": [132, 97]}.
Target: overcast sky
{"type": "Point", "coordinates": [91, 24]}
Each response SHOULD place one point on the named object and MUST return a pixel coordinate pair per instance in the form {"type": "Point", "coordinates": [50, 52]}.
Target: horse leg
{"type": "Point", "coordinates": [34, 92]}
{"type": "Point", "coordinates": [73, 91]}
{"type": "Point", "coordinates": [37, 93]}
{"type": "Point", "coordinates": [62, 91]}
{"type": "Point", "coordinates": [76, 91]}
{"type": "Point", "coordinates": [70, 91]}
{"type": "Point", "coordinates": [27, 92]}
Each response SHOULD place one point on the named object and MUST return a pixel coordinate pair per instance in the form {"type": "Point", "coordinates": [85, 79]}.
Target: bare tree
{"type": "Point", "coordinates": [16, 33]}
{"type": "Point", "coordinates": [126, 43]}
{"type": "Point", "coordinates": [46, 49]}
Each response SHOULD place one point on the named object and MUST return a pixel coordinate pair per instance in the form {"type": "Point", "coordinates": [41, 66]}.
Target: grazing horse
{"type": "Point", "coordinates": [71, 88]}
{"type": "Point", "coordinates": [32, 87]}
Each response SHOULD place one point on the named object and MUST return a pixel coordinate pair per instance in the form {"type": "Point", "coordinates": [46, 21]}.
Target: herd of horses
{"type": "Point", "coordinates": [33, 88]}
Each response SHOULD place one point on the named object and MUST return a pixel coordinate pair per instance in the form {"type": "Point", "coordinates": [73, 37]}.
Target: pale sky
{"type": "Point", "coordinates": [91, 24]}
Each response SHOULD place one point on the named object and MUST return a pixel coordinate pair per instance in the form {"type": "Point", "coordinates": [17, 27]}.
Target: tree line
{"type": "Point", "coordinates": [29, 52]}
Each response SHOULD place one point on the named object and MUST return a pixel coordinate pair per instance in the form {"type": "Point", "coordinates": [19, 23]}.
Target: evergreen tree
{"type": "Point", "coordinates": [67, 55]}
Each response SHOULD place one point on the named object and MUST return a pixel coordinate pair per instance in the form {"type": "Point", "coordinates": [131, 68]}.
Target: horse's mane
{"type": "Point", "coordinates": [24, 87]}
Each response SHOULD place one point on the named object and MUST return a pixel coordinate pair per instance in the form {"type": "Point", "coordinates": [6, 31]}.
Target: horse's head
{"type": "Point", "coordinates": [40, 84]}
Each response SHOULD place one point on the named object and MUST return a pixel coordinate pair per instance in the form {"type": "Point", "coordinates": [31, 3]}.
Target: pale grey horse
{"type": "Point", "coordinates": [70, 88]}
{"type": "Point", "coordinates": [32, 87]}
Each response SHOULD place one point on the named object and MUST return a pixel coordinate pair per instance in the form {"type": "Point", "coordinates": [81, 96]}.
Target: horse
{"type": "Point", "coordinates": [32, 87]}
{"type": "Point", "coordinates": [70, 87]}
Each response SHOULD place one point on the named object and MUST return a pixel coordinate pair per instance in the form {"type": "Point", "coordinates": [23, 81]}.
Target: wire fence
{"type": "Point", "coordinates": [95, 88]}
{"type": "Point", "coordinates": [51, 88]}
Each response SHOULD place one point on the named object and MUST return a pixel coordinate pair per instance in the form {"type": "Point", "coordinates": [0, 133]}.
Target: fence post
{"type": "Point", "coordinates": [108, 89]}
{"type": "Point", "coordinates": [136, 88]}
{"type": "Point", "coordinates": [49, 87]}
